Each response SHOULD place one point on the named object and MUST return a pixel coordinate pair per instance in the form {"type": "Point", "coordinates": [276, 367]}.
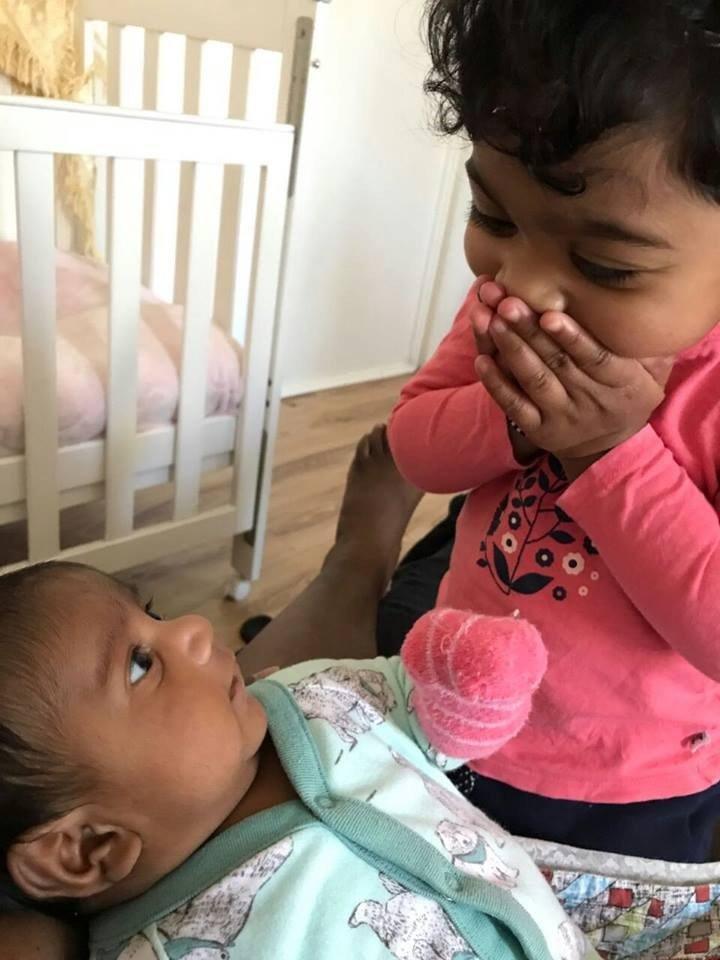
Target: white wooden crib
{"type": "Point", "coordinates": [193, 205]}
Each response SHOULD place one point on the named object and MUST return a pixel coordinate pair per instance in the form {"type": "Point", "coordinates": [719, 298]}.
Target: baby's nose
{"type": "Point", "coordinates": [194, 635]}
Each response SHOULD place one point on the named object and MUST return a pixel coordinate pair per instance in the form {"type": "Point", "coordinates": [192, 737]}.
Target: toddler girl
{"type": "Point", "coordinates": [576, 396]}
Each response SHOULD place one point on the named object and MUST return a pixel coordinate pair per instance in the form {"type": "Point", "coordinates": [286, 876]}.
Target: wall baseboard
{"type": "Point", "coordinates": [296, 388]}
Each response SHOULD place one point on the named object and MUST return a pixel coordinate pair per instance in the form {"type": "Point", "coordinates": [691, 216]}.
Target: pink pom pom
{"type": "Point", "coordinates": [474, 678]}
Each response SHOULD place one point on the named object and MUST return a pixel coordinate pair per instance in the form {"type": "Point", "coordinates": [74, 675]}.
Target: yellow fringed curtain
{"type": "Point", "coordinates": [37, 53]}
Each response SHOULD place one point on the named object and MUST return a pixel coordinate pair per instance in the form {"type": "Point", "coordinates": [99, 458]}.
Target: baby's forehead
{"type": "Point", "coordinates": [78, 594]}
{"type": "Point", "coordinates": [89, 614]}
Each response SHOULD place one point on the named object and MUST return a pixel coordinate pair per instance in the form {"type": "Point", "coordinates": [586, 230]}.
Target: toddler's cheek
{"type": "Point", "coordinates": [630, 335]}
{"type": "Point", "coordinates": [637, 326]}
{"type": "Point", "coordinates": [480, 256]}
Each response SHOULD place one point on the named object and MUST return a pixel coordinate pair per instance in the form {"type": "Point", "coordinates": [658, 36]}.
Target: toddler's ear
{"type": "Point", "coordinates": [74, 857]}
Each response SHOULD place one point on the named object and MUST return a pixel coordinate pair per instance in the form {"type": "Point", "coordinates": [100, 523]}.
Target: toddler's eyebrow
{"type": "Point", "coordinates": [610, 230]}
{"type": "Point", "coordinates": [475, 178]}
{"type": "Point", "coordinates": [592, 227]}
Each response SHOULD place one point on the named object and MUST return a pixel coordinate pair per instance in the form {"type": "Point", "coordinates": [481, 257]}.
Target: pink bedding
{"type": "Point", "coordinates": [82, 315]}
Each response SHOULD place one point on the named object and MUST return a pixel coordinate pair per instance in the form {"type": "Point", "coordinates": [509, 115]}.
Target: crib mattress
{"type": "Point", "coordinates": [82, 361]}
{"type": "Point", "coordinates": [631, 907]}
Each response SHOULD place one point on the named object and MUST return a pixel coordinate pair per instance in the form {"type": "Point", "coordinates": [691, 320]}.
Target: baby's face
{"type": "Point", "coordinates": [159, 712]}
{"type": "Point", "coordinates": [635, 259]}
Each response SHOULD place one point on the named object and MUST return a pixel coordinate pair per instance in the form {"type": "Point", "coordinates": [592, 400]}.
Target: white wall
{"type": "Point", "coordinates": [453, 275]}
{"type": "Point", "coordinates": [372, 199]}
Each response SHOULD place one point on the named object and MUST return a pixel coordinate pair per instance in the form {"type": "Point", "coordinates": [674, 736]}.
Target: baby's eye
{"type": "Point", "coordinates": [141, 661]}
{"type": "Point", "coordinates": [150, 610]}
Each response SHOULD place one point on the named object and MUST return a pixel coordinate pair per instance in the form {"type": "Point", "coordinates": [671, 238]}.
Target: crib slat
{"type": "Point", "coordinates": [126, 223]}
{"type": "Point", "coordinates": [193, 69]}
{"type": "Point", "coordinates": [249, 198]}
{"type": "Point", "coordinates": [208, 70]}
{"type": "Point", "coordinates": [152, 70]}
{"type": "Point", "coordinates": [171, 73]}
{"type": "Point", "coordinates": [260, 347]}
{"type": "Point", "coordinates": [95, 52]}
{"type": "Point", "coordinates": [254, 91]}
{"type": "Point", "coordinates": [263, 93]}
{"type": "Point", "coordinates": [132, 67]}
{"type": "Point", "coordinates": [8, 210]}
{"type": "Point", "coordinates": [233, 182]}
{"type": "Point", "coordinates": [261, 84]}
{"type": "Point", "coordinates": [150, 95]}
{"type": "Point", "coordinates": [163, 189]}
{"type": "Point", "coordinates": [198, 299]}
{"type": "Point", "coordinates": [35, 179]}
{"type": "Point", "coordinates": [215, 74]}
{"type": "Point", "coordinates": [239, 80]}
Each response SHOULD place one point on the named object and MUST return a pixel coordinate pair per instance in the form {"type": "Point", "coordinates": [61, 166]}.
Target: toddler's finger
{"type": "Point", "coordinates": [512, 401]}
{"type": "Point", "coordinates": [525, 322]}
{"type": "Point", "coordinates": [515, 310]}
{"type": "Point", "coordinates": [480, 317]}
{"type": "Point", "coordinates": [589, 355]}
{"type": "Point", "coordinates": [480, 281]}
{"type": "Point", "coordinates": [659, 369]}
{"type": "Point", "coordinates": [492, 294]}
{"type": "Point", "coordinates": [527, 368]}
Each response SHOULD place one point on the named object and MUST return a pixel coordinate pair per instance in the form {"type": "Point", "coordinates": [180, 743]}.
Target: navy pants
{"type": "Point", "coordinates": [680, 829]}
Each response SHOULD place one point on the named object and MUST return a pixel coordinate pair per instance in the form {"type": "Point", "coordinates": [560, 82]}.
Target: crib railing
{"type": "Point", "coordinates": [218, 59]}
{"type": "Point", "coordinates": [35, 131]}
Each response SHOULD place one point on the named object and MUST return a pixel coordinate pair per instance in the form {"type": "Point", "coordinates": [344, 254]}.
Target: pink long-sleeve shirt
{"type": "Point", "coordinates": [619, 570]}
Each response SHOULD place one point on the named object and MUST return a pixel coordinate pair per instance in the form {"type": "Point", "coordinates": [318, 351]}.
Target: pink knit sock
{"type": "Point", "coordinates": [474, 679]}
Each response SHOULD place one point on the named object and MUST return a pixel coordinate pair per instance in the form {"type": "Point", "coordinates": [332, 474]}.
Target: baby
{"type": "Point", "coordinates": [306, 816]}
{"type": "Point", "coordinates": [576, 397]}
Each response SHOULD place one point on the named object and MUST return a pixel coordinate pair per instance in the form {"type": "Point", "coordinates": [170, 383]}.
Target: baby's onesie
{"type": "Point", "coordinates": [379, 856]}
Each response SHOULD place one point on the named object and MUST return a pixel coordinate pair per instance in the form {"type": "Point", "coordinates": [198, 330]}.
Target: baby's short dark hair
{"type": "Point", "coordinates": [38, 781]}
{"type": "Point", "coordinates": [541, 79]}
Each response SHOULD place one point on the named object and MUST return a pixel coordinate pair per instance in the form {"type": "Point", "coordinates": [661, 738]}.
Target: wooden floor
{"type": "Point", "coordinates": [318, 434]}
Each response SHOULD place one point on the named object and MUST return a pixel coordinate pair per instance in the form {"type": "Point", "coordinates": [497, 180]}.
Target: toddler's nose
{"type": "Point", "coordinates": [533, 286]}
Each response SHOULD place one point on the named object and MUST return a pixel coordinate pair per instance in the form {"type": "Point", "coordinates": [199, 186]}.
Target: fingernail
{"type": "Point", "coordinates": [498, 325]}
{"type": "Point", "coordinates": [491, 290]}
{"type": "Point", "coordinates": [552, 324]}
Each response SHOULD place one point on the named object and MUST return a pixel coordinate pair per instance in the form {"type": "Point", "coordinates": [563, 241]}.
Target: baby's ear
{"type": "Point", "coordinates": [74, 857]}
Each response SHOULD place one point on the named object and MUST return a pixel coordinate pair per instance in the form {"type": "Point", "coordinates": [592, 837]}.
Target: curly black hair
{"type": "Point", "coordinates": [541, 79]}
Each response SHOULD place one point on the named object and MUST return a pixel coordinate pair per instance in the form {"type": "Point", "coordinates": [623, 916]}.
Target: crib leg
{"type": "Point", "coordinates": [237, 589]}
{"type": "Point", "coordinates": [246, 563]}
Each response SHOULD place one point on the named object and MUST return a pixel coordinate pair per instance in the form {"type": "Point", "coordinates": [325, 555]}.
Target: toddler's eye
{"type": "Point", "coordinates": [492, 225]}
{"type": "Point", "coordinates": [141, 661]}
{"type": "Point", "coordinates": [603, 276]}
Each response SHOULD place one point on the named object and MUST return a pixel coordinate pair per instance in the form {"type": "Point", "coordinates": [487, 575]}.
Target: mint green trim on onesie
{"type": "Point", "coordinates": [380, 856]}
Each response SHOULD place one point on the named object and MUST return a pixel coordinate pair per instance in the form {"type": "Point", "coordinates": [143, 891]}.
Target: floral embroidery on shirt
{"type": "Point", "coordinates": [532, 544]}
